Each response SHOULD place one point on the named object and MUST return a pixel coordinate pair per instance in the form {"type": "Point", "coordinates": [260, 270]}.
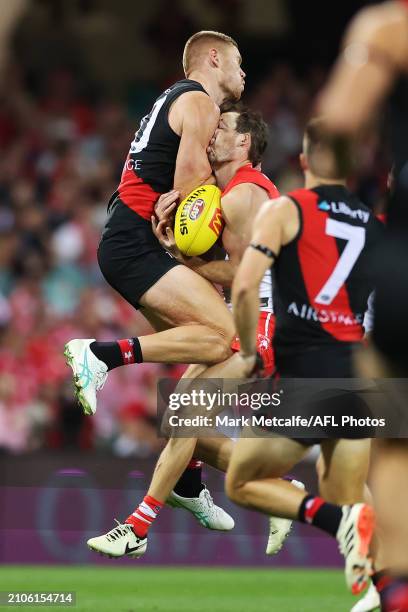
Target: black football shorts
{"type": "Point", "coordinates": [129, 255]}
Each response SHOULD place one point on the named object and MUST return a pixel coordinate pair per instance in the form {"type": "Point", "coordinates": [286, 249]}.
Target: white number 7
{"type": "Point", "coordinates": [355, 237]}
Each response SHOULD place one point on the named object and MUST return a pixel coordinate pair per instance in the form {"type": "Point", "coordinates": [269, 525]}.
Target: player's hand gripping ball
{"type": "Point", "coordinates": [199, 221]}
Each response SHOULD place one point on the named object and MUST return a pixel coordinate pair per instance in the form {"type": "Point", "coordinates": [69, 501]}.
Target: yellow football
{"type": "Point", "coordinates": [199, 221]}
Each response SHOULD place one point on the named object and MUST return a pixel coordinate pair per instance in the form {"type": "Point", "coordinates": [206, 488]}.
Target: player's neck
{"type": "Point", "coordinates": [312, 181]}
{"type": "Point", "coordinates": [211, 87]}
{"type": "Point", "coordinates": [226, 171]}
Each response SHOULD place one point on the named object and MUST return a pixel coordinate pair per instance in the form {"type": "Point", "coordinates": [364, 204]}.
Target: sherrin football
{"type": "Point", "coordinates": [199, 221]}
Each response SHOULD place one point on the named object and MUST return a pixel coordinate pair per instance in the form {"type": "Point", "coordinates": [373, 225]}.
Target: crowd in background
{"type": "Point", "coordinates": [62, 149]}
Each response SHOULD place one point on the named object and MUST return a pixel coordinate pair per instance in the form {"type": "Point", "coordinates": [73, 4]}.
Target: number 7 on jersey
{"type": "Point", "coordinates": [355, 237]}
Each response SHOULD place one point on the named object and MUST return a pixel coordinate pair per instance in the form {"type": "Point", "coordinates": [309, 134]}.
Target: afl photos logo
{"type": "Point", "coordinates": [196, 209]}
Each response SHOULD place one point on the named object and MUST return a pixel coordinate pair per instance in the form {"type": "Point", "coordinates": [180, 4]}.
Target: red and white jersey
{"type": "Point", "coordinates": [264, 342]}
{"type": "Point", "coordinates": [249, 174]}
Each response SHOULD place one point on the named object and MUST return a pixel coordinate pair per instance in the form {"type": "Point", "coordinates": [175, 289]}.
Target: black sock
{"type": "Point", "coordinates": [315, 511]}
{"type": "Point", "coordinates": [108, 352]}
{"type": "Point", "coordinates": [118, 353]}
{"type": "Point", "coordinates": [189, 483]}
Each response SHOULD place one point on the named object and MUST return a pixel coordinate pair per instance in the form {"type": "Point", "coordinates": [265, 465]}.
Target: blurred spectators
{"type": "Point", "coordinates": [62, 148]}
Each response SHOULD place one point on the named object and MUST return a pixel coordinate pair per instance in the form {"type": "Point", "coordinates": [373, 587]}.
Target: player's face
{"type": "Point", "coordinates": [224, 143]}
{"type": "Point", "coordinates": [233, 77]}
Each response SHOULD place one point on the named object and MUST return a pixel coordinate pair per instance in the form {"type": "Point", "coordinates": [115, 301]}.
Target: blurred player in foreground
{"type": "Point", "coordinates": [235, 150]}
{"type": "Point", "coordinates": [374, 65]}
{"type": "Point", "coordinates": [321, 241]}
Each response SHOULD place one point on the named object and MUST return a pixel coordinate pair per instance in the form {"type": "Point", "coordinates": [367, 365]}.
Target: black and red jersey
{"type": "Point", "coordinates": [151, 161]}
{"type": "Point", "coordinates": [323, 278]}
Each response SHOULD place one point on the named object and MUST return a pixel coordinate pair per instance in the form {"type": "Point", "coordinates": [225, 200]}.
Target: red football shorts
{"type": "Point", "coordinates": [265, 331]}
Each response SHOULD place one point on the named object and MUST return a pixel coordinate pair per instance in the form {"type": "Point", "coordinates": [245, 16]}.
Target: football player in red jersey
{"type": "Point", "coordinates": [236, 148]}
{"type": "Point", "coordinates": [243, 190]}
{"type": "Point", "coordinates": [321, 241]}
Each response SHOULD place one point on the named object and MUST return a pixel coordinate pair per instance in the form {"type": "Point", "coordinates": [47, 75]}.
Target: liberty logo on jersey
{"type": "Point", "coordinates": [341, 208]}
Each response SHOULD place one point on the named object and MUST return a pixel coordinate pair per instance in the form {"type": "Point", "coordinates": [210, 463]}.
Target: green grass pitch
{"type": "Point", "coordinates": [159, 589]}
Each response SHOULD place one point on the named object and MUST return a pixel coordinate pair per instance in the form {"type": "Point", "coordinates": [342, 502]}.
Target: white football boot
{"type": "Point", "coordinates": [89, 372]}
{"type": "Point", "coordinates": [354, 536]}
{"type": "Point", "coordinates": [279, 528]}
{"type": "Point", "coordinates": [121, 541]}
{"type": "Point", "coordinates": [370, 601]}
{"type": "Point", "coordinates": [203, 508]}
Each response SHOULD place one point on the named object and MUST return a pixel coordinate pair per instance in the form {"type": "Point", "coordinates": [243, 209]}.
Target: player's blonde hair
{"type": "Point", "coordinates": [196, 42]}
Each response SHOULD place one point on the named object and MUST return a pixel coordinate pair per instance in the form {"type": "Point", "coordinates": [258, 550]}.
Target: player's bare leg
{"type": "Point", "coordinates": [337, 458]}
{"type": "Point", "coordinates": [171, 464]}
{"type": "Point", "coordinates": [390, 491]}
{"type": "Point", "coordinates": [179, 451]}
{"type": "Point", "coordinates": [254, 466]}
{"type": "Point", "coordinates": [215, 451]}
{"type": "Point", "coordinates": [348, 493]}
{"type": "Point", "coordinates": [197, 328]}
{"type": "Point", "coordinates": [388, 485]}
{"type": "Point", "coordinates": [173, 461]}
{"type": "Point", "coordinates": [201, 324]}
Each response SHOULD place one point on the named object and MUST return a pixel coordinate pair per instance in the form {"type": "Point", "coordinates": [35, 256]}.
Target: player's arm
{"type": "Point", "coordinates": [276, 224]}
{"type": "Point", "coordinates": [374, 51]}
{"type": "Point", "coordinates": [219, 272]}
{"type": "Point", "coordinates": [197, 117]}
{"type": "Point", "coordinates": [235, 207]}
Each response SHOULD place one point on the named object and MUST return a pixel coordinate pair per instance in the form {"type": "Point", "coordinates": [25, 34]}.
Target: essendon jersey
{"type": "Point", "coordinates": [151, 161]}
{"type": "Point", "coordinates": [323, 278]}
